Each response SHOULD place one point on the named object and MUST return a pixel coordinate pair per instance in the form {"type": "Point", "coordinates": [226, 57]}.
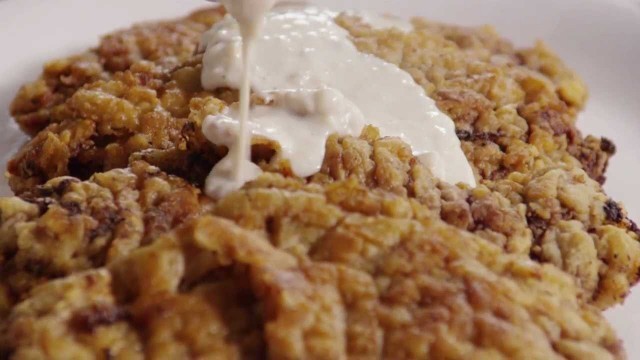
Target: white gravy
{"type": "Point", "coordinates": [316, 83]}
{"type": "Point", "coordinates": [382, 21]}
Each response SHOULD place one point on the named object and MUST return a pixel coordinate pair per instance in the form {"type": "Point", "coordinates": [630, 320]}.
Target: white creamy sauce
{"type": "Point", "coordinates": [300, 121]}
{"type": "Point", "coordinates": [315, 83]}
{"type": "Point", "coordinates": [236, 168]}
{"type": "Point", "coordinates": [382, 21]}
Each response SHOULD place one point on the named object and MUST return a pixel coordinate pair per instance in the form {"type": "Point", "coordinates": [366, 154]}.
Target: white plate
{"type": "Point", "coordinates": [599, 38]}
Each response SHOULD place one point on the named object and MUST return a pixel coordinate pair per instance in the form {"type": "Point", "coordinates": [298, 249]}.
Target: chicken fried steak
{"type": "Point", "coordinates": [514, 110]}
{"type": "Point", "coordinates": [316, 273]}
{"type": "Point", "coordinates": [110, 250]}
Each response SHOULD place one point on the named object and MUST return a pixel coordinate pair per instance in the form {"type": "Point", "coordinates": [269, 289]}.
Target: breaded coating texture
{"type": "Point", "coordinates": [67, 226]}
{"type": "Point", "coordinates": [166, 43]}
{"type": "Point", "coordinates": [559, 212]}
{"type": "Point", "coordinates": [371, 270]}
{"type": "Point", "coordinates": [384, 164]}
{"type": "Point", "coordinates": [330, 282]}
{"type": "Point", "coordinates": [513, 108]}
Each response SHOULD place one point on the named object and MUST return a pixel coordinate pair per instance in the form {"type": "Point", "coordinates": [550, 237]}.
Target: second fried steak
{"type": "Point", "coordinates": [331, 269]}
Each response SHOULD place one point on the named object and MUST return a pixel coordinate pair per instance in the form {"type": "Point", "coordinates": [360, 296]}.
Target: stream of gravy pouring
{"type": "Point", "coordinates": [315, 83]}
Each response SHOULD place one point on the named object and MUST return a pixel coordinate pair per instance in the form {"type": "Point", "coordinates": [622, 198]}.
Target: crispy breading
{"type": "Point", "coordinates": [166, 43]}
{"type": "Point", "coordinates": [360, 287]}
{"type": "Point", "coordinates": [347, 263]}
{"type": "Point", "coordinates": [385, 164]}
{"type": "Point", "coordinates": [66, 226]}
{"type": "Point", "coordinates": [558, 216]}
{"type": "Point", "coordinates": [105, 122]}
{"type": "Point", "coordinates": [509, 105]}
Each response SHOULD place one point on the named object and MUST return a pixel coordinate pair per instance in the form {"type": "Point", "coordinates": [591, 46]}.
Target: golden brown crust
{"type": "Point", "coordinates": [104, 123]}
{"type": "Point", "coordinates": [509, 105]}
{"type": "Point", "coordinates": [515, 112]}
{"type": "Point", "coordinates": [66, 226]}
{"type": "Point", "coordinates": [375, 206]}
{"type": "Point", "coordinates": [166, 43]}
{"type": "Point", "coordinates": [366, 287]}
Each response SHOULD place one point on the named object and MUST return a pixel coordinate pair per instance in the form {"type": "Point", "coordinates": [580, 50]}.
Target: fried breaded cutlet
{"type": "Point", "coordinates": [283, 269]}
{"type": "Point", "coordinates": [515, 112]}
{"type": "Point", "coordinates": [355, 261]}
